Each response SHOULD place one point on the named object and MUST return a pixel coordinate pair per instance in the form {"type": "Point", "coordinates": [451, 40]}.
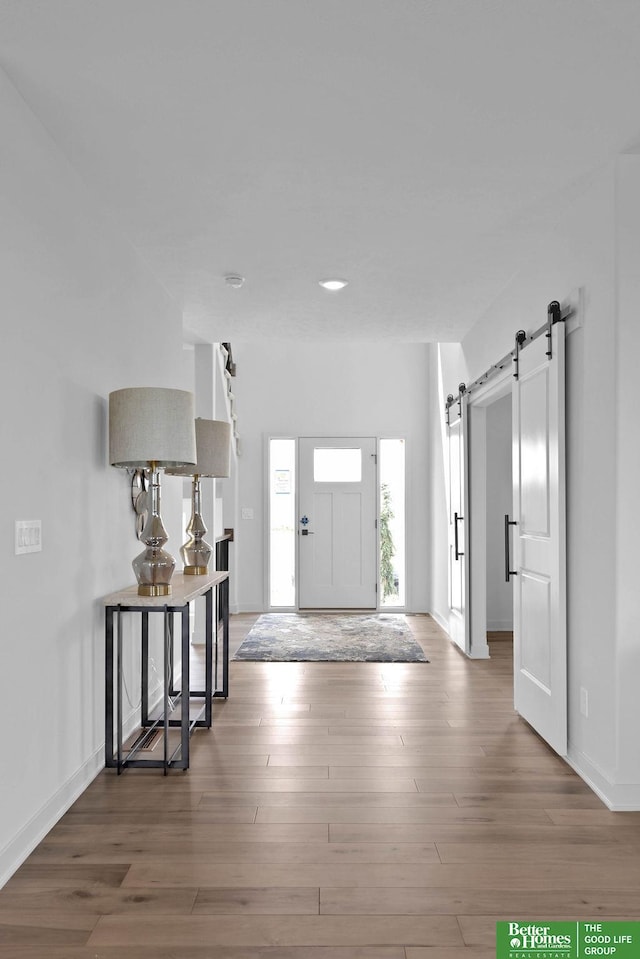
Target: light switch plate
{"type": "Point", "coordinates": [246, 512]}
{"type": "Point", "coordinates": [28, 536]}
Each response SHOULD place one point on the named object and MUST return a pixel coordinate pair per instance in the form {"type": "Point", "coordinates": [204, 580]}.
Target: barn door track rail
{"type": "Point", "coordinates": [522, 339]}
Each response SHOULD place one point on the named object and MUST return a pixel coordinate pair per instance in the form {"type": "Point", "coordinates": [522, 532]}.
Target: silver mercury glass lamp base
{"type": "Point", "coordinates": [196, 553]}
{"type": "Point", "coordinates": [154, 566]}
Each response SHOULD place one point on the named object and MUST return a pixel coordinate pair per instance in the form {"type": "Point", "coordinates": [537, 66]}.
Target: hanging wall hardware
{"type": "Point", "coordinates": [139, 498]}
{"type": "Point", "coordinates": [521, 337]}
{"type": "Point", "coordinates": [462, 389]}
{"type": "Point", "coordinates": [507, 558]}
{"type": "Point", "coordinates": [554, 315]}
{"type": "Point", "coordinates": [230, 366]}
{"type": "Point", "coordinates": [486, 376]}
{"type": "Point", "coordinates": [447, 407]}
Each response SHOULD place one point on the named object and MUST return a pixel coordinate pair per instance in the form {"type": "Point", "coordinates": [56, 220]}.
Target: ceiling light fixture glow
{"type": "Point", "coordinates": [333, 285]}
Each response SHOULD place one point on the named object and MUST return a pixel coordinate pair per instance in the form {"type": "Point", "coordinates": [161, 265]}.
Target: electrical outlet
{"type": "Point", "coordinates": [584, 702]}
{"type": "Point", "coordinates": [246, 512]}
{"type": "Point", "coordinates": [28, 536]}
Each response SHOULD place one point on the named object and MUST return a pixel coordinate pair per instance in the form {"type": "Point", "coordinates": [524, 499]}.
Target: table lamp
{"type": "Point", "coordinates": [152, 428]}
{"type": "Point", "coordinates": [213, 448]}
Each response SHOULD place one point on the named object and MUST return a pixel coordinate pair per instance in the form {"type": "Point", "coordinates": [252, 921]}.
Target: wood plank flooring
{"type": "Point", "coordinates": [335, 811]}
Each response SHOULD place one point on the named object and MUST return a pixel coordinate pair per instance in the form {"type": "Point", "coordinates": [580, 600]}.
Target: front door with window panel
{"type": "Point", "coordinates": [337, 520]}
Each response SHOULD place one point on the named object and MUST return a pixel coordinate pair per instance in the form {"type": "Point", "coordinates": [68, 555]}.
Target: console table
{"type": "Point", "coordinates": [179, 706]}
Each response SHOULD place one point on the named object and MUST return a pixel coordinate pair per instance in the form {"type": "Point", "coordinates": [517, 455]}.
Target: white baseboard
{"type": "Point", "coordinates": [619, 797]}
{"type": "Point", "coordinates": [442, 623]}
{"type": "Point", "coordinates": [34, 831]}
{"type": "Point", "coordinates": [480, 651]}
{"type": "Point", "coordinates": [500, 626]}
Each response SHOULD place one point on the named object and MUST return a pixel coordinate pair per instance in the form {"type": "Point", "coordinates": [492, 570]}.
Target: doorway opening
{"type": "Point", "coordinates": [490, 500]}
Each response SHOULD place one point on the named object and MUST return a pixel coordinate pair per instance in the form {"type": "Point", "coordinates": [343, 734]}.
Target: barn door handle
{"type": "Point", "coordinates": [507, 559]}
{"type": "Point", "coordinates": [456, 519]}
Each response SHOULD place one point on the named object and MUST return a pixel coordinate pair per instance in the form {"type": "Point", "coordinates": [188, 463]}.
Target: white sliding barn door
{"type": "Point", "coordinates": [537, 535]}
{"type": "Point", "coordinates": [458, 524]}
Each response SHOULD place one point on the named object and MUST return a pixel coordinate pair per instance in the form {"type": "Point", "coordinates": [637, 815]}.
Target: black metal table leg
{"type": "Point", "coordinates": [108, 692]}
{"type": "Point", "coordinates": [225, 638]}
{"type": "Point", "coordinates": [119, 686]}
{"type": "Point", "coordinates": [144, 672]}
{"type": "Point", "coordinates": [208, 665]}
{"type": "Point", "coordinates": [185, 691]}
{"type": "Point", "coordinates": [222, 615]}
{"type": "Point", "coordinates": [172, 679]}
{"type": "Point", "coordinates": [165, 690]}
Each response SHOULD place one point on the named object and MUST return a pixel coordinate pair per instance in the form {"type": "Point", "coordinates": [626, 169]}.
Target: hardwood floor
{"type": "Point", "coordinates": [335, 811]}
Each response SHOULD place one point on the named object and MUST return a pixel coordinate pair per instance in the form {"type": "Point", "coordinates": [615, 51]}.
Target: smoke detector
{"type": "Point", "coordinates": [234, 280]}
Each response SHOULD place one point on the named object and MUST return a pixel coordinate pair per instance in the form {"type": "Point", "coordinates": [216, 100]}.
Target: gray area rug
{"type": "Point", "coordinates": [320, 637]}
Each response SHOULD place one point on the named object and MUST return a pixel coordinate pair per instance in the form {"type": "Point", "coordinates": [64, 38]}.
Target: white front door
{"type": "Point", "coordinates": [458, 524]}
{"type": "Point", "coordinates": [338, 554]}
{"type": "Point", "coordinates": [538, 541]}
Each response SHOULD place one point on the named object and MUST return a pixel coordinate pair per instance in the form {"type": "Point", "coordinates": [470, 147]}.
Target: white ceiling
{"type": "Point", "coordinates": [397, 143]}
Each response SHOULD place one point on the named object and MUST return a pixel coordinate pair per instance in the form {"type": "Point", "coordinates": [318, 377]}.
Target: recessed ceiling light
{"type": "Point", "coordinates": [234, 280]}
{"type": "Point", "coordinates": [333, 285]}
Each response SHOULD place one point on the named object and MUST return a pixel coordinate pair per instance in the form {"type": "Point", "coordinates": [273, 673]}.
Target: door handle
{"type": "Point", "coordinates": [507, 558]}
{"type": "Point", "coordinates": [456, 519]}
{"type": "Point", "coordinates": [307, 532]}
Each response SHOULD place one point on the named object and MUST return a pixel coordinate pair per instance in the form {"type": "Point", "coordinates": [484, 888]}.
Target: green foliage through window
{"type": "Point", "coordinates": [387, 549]}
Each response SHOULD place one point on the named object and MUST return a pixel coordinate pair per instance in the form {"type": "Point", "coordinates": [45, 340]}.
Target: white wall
{"type": "Point", "coordinates": [80, 317]}
{"type": "Point", "coordinates": [297, 389]}
{"type": "Point", "coordinates": [498, 495]}
{"type": "Point", "coordinates": [627, 438]}
{"type": "Point", "coordinates": [439, 524]}
{"type": "Point", "coordinates": [585, 243]}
